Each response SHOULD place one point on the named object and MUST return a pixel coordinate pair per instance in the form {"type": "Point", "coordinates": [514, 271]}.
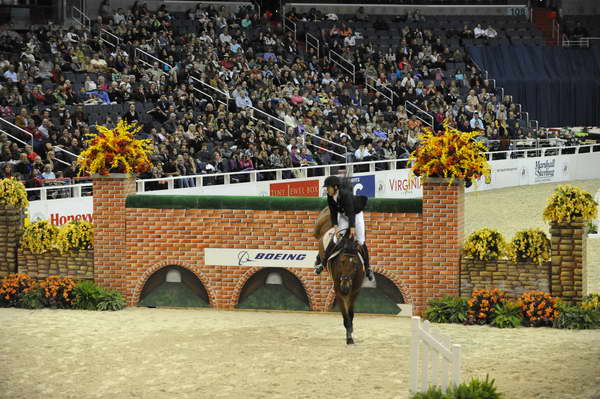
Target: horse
{"type": "Point", "coordinates": [345, 270]}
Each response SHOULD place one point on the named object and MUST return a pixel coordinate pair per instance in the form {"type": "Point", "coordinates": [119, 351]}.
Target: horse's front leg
{"type": "Point", "coordinates": [347, 320]}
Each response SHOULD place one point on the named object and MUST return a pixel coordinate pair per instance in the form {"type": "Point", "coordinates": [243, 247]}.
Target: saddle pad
{"type": "Point", "coordinates": [328, 236]}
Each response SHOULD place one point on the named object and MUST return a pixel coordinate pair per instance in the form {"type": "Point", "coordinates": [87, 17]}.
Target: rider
{"type": "Point", "coordinates": [346, 212]}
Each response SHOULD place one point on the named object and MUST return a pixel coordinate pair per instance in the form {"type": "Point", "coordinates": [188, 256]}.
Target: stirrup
{"type": "Point", "coordinates": [370, 274]}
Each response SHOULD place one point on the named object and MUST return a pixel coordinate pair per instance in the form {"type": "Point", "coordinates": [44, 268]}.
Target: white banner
{"type": "Point", "coordinates": [60, 211]}
{"type": "Point", "coordinates": [397, 184]}
{"type": "Point", "coordinates": [259, 257]}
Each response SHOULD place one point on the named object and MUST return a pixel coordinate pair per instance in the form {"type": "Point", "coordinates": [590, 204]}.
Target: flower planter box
{"type": "Point", "coordinates": [77, 265]}
{"type": "Point", "coordinates": [513, 278]}
{"type": "Point", "coordinates": [11, 229]}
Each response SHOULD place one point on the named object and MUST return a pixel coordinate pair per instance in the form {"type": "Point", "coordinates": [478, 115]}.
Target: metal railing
{"type": "Point", "coordinates": [333, 143]}
{"type": "Point", "coordinates": [419, 113]}
{"type": "Point", "coordinates": [220, 95]}
{"type": "Point", "coordinates": [106, 37]}
{"type": "Point", "coordinates": [373, 86]}
{"type": "Point", "coordinates": [324, 170]}
{"type": "Point", "coordinates": [290, 25]}
{"type": "Point", "coordinates": [80, 18]}
{"type": "Point", "coordinates": [15, 127]}
{"type": "Point", "coordinates": [273, 121]}
{"type": "Point", "coordinates": [343, 63]}
{"type": "Point", "coordinates": [313, 42]}
{"type": "Point", "coordinates": [149, 60]}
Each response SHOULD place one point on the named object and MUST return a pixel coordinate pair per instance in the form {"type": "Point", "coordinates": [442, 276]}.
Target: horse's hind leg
{"type": "Point", "coordinates": [347, 321]}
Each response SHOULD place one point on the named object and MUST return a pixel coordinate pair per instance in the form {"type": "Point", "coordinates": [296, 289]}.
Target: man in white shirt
{"type": "Point", "coordinates": [119, 16]}
{"type": "Point", "coordinates": [224, 37]}
{"type": "Point", "coordinates": [327, 79]}
{"type": "Point", "coordinates": [478, 31]}
{"type": "Point", "coordinates": [361, 153]}
{"type": "Point", "coordinates": [11, 75]}
{"type": "Point", "coordinates": [476, 122]}
{"type": "Point", "coordinates": [350, 41]}
{"type": "Point", "coordinates": [243, 101]}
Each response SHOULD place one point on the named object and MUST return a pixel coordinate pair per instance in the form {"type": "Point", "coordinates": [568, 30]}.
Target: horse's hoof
{"type": "Point", "coordinates": [349, 341]}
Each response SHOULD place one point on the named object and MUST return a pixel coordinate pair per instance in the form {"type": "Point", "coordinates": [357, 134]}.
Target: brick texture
{"type": "Point", "coordinates": [513, 278]}
{"type": "Point", "coordinates": [419, 253]}
{"type": "Point", "coordinates": [568, 260]}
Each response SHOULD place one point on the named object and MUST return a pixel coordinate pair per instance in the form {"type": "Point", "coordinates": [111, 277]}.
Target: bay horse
{"type": "Point", "coordinates": [345, 270]}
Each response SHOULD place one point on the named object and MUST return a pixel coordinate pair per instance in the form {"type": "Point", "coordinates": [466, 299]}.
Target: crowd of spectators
{"type": "Point", "coordinates": [53, 77]}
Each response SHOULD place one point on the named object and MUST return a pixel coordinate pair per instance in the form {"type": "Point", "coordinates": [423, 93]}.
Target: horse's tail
{"type": "Point", "coordinates": [324, 217]}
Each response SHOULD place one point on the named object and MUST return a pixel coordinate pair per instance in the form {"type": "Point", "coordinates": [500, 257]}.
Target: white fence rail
{"type": "Point", "coordinates": [434, 360]}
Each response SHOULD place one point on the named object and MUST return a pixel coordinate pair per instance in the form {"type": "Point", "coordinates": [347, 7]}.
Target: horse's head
{"type": "Point", "coordinates": [348, 265]}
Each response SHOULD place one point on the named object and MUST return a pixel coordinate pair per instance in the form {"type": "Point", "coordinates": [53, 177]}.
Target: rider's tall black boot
{"type": "Point", "coordinates": [368, 271]}
{"type": "Point", "coordinates": [318, 265]}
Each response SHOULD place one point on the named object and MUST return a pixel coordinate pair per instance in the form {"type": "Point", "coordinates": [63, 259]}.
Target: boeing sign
{"type": "Point", "coordinates": [259, 257]}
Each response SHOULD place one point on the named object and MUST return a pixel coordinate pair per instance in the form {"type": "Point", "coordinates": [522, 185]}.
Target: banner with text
{"type": "Point", "coordinates": [60, 211]}
{"type": "Point", "coordinates": [258, 257]}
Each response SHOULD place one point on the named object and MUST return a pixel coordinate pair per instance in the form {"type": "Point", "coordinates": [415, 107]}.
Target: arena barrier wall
{"type": "Point", "coordinates": [415, 243]}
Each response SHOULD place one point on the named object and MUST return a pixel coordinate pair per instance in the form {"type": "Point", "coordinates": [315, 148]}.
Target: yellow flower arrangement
{"type": "Point", "coordinates": [485, 244]}
{"type": "Point", "coordinates": [116, 150]}
{"type": "Point", "coordinates": [568, 202]}
{"type": "Point", "coordinates": [530, 244]}
{"type": "Point", "coordinates": [453, 154]}
{"type": "Point", "coordinates": [591, 301]}
{"type": "Point", "coordinates": [74, 235]}
{"type": "Point", "coordinates": [39, 237]}
{"type": "Point", "coordinates": [12, 193]}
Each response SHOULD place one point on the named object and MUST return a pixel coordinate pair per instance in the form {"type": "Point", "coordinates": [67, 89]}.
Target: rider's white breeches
{"type": "Point", "coordinates": [359, 222]}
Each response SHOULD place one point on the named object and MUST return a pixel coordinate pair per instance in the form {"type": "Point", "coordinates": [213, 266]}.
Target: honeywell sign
{"type": "Point", "coordinates": [60, 211]}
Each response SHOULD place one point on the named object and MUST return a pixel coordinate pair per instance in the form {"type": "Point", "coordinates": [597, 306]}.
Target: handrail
{"type": "Point", "coordinates": [137, 49]}
{"type": "Point", "coordinates": [14, 138]}
{"type": "Point", "coordinates": [269, 117]}
{"type": "Point", "coordinates": [353, 71]}
{"type": "Point", "coordinates": [212, 100]}
{"type": "Point", "coordinates": [104, 31]}
{"type": "Point", "coordinates": [18, 128]}
{"type": "Point", "coordinates": [224, 93]}
{"type": "Point", "coordinates": [374, 87]}
{"type": "Point", "coordinates": [391, 163]}
{"type": "Point", "coordinates": [325, 140]}
{"type": "Point", "coordinates": [82, 17]}
{"type": "Point", "coordinates": [287, 21]}
{"type": "Point", "coordinates": [416, 113]}
{"type": "Point", "coordinates": [308, 43]}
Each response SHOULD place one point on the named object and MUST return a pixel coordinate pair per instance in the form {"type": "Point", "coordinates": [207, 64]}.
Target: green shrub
{"type": "Point", "coordinates": [576, 318]}
{"type": "Point", "coordinates": [432, 393]}
{"type": "Point", "coordinates": [591, 301]}
{"type": "Point", "coordinates": [87, 295]}
{"type": "Point", "coordinates": [475, 389]}
{"type": "Point", "coordinates": [111, 300]}
{"type": "Point", "coordinates": [508, 315]}
{"type": "Point", "coordinates": [448, 309]}
{"type": "Point", "coordinates": [32, 299]}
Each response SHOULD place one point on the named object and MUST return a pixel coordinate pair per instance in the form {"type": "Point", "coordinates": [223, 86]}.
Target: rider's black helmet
{"type": "Point", "coordinates": [332, 181]}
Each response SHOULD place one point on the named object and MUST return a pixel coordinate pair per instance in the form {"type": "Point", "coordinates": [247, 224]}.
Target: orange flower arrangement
{"type": "Point", "coordinates": [58, 291]}
{"type": "Point", "coordinates": [13, 287]}
{"type": "Point", "coordinates": [453, 154]}
{"type": "Point", "coordinates": [538, 308]}
{"type": "Point", "coordinates": [116, 150]}
{"type": "Point", "coordinates": [480, 308]}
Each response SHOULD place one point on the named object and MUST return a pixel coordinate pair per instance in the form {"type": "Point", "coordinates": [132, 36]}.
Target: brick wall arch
{"type": "Point", "coordinates": [252, 271]}
{"type": "Point", "coordinates": [141, 282]}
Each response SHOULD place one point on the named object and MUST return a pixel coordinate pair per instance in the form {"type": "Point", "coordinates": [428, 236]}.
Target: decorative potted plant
{"type": "Point", "coordinates": [569, 204]}
{"type": "Point", "coordinates": [450, 155]}
{"type": "Point", "coordinates": [13, 208]}
{"type": "Point", "coordinates": [116, 151]}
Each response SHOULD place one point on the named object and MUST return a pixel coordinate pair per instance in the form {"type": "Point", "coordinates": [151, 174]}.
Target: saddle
{"type": "Point", "coordinates": [334, 247]}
